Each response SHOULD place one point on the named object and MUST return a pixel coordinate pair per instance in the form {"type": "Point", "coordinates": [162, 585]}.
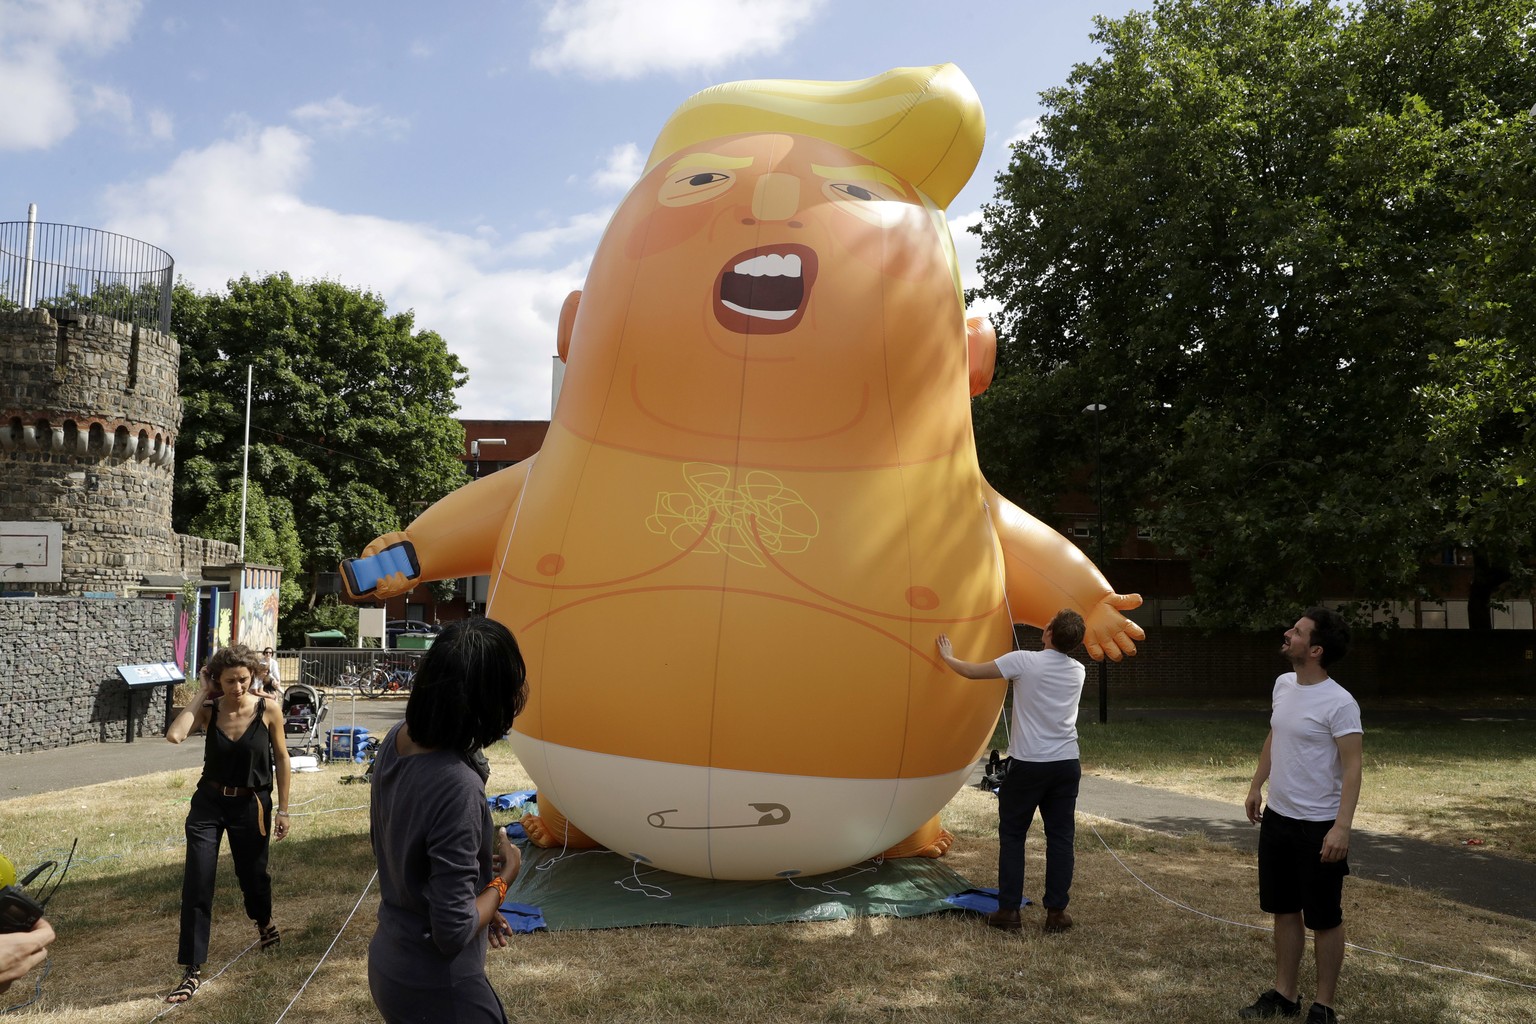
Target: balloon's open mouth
{"type": "Point", "coordinates": [765, 290]}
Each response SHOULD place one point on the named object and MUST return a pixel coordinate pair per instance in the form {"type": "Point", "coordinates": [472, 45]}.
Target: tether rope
{"type": "Point", "coordinates": [1261, 928]}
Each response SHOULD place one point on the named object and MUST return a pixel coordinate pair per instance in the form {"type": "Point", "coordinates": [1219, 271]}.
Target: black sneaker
{"type": "Point", "coordinates": [1320, 1014]}
{"type": "Point", "coordinates": [1272, 1004]}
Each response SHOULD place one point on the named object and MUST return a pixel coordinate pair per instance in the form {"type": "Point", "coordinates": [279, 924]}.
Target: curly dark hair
{"type": "Point", "coordinates": [226, 658]}
{"type": "Point", "coordinates": [470, 686]}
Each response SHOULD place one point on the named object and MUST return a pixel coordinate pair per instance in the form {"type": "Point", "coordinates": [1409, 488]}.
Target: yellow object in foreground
{"type": "Point", "coordinates": [758, 502]}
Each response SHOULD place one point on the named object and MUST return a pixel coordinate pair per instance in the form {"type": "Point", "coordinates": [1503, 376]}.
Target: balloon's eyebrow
{"type": "Point", "coordinates": [710, 161]}
{"type": "Point", "coordinates": [861, 171]}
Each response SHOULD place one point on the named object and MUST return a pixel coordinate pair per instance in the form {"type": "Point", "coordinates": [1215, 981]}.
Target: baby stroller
{"type": "Point", "coordinates": [303, 711]}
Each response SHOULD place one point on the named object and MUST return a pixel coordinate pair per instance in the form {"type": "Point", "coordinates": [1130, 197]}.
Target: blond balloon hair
{"type": "Point", "coordinates": [924, 124]}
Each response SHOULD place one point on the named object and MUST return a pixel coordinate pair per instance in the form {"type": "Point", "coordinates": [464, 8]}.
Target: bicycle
{"type": "Point", "coordinates": [381, 680]}
{"type": "Point", "coordinates": [358, 681]}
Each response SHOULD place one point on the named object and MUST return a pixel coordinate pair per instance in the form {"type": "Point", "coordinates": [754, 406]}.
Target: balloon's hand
{"type": "Point", "coordinates": [1108, 633]}
{"type": "Point", "coordinates": [388, 568]}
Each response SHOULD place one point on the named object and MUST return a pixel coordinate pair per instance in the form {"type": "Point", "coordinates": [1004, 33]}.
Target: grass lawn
{"type": "Point", "coordinates": [1134, 956]}
{"type": "Point", "coordinates": [1443, 780]}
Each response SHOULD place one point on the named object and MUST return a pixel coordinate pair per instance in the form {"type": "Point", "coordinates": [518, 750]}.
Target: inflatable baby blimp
{"type": "Point", "coordinates": [758, 502]}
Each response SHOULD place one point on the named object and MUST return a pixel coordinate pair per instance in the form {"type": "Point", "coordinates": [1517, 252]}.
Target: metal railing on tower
{"type": "Point", "coordinates": [62, 267]}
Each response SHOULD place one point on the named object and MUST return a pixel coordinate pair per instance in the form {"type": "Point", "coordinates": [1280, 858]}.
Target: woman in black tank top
{"type": "Point", "coordinates": [244, 757]}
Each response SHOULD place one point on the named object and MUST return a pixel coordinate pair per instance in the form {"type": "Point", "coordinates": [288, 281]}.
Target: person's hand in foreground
{"type": "Point", "coordinates": [22, 951]}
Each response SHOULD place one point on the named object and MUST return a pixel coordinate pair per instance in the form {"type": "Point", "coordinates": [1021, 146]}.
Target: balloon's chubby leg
{"type": "Point", "coordinates": [1046, 573]}
{"type": "Point", "coordinates": [930, 840]}
{"type": "Point", "coordinates": [455, 537]}
{"type": "Point", "coordinates": [549, 828]}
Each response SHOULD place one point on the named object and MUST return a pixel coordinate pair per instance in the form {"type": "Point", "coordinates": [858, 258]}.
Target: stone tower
{"type": "Point", "coordinates": [89, 412]}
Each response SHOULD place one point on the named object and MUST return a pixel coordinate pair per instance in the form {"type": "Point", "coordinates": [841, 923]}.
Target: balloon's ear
{"type": "Point", "coordinates": [567, 322]}
{"type": "Point", "coordinates": [980, 349]}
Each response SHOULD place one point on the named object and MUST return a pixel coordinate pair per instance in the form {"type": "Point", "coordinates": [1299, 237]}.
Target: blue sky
{"type": "Point", "coordinates": [462, 159]}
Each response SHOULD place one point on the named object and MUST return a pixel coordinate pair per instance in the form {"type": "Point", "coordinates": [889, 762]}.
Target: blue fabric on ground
{"type": "Point", "coordinates": [522, 917]}
{"type": "Point", "coordinates": [507, 801]}
{"type": "Point", "coordinates": [983, 901]}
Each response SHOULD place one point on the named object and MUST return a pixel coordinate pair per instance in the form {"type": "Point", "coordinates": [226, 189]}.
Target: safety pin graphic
{"type": "Point", "coordinates": [772, 814]}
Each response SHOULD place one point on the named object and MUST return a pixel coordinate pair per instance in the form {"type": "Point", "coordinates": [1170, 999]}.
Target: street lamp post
{"type": "Point", "coordinates": [1098, 480]}
{"type": "Point", "coordinates": [474, 453]}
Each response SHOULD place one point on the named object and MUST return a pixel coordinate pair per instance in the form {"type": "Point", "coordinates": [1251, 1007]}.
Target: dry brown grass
{"type": "Point", "coordinates": [1133, 957]}
{"type": "Point", "coordinates": [1442, 780]}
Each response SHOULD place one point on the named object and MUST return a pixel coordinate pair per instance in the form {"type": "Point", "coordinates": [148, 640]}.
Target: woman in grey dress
{"type": "Point", "coordinates": [443, 867]}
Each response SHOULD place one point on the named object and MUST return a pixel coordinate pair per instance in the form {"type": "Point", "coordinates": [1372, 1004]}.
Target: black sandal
{"type": "Point", "coordinates": [188, 987]}
{"type": "Point", "coordinates": [269, 935]}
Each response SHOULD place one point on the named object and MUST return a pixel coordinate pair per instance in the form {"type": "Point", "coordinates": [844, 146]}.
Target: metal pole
{"type": "Point", "coordinates": [26, 272]}
{"type": "Point", "coordinates": [1098, 472]}
{"type": "Point", "coordinates": [245, 462]}
{"type": "Point", "coordinates": [1097, 408]}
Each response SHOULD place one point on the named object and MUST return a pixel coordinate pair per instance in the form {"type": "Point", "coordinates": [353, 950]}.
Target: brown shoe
{"type": "Point", "coordinates": [1057, 921]}
{"type": "Point", "coordinates": [1005, 919]}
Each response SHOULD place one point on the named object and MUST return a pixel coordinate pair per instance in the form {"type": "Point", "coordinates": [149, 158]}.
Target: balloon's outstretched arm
{"type": "Point", "coordinates": [457, 536]}
{"type": "Point", "coordinates": [1046, 573]}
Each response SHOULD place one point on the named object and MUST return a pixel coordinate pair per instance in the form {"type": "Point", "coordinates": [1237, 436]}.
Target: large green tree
{"type": "Point", "coordinates": [352, 417]}
{"type": "Point", "coordinates": [1245, 231]}
{"type": "Point", "coordinates": [271, 535]}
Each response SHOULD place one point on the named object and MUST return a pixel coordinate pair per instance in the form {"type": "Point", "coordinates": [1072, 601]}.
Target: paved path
{"type": "Point", "coordinates": [1463, 874]}
{"type": "Point", "coordinates": [86, 764]}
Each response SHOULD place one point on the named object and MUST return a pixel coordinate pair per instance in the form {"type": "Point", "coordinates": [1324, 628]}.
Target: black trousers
{"type": "Point", "coordinates": [1050, 786]}
{"type": "Point", "coordinates": [210, 817]}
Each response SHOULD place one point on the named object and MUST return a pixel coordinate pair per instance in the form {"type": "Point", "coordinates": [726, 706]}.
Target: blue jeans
{"type": "Point", "coordinates": [1050, 786]}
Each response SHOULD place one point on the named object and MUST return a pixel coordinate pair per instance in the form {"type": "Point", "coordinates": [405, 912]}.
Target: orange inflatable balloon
{"type": "Point", "coordinates": [758, 502]}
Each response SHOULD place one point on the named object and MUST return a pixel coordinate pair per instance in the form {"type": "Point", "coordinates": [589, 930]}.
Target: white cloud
{"type": "Point", "coordinates": [622, 169]}
{"type": "Point", "coordinates": [90, 26]}
{"type": "Point", "coordinates": [338, 116]}
{"type": "Point", "coordinates": [113, 110]}
{"type": "Point", "coordinates": [1023, 131]}
{"type": "Point", "coordinates": [162, 127]}
{"type": "Point", "coordinates": [111, 103]}
{"type": "Point", "coordinates": [578, 230]}
{"type": "Point", "coordinates": [625, 39]}
{"type": "Point", "coordinates": [967, 249]}
{"type": "Point", "coordinates": [42, 111]}
{"type": "Point", "coordinates": [235, 208]}
{"type": "Point", "coordinates": [41, 94]}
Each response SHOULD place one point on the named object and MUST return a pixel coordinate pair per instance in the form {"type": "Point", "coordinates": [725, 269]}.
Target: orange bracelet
{"type": "Point", "coordinates": [500, 885]}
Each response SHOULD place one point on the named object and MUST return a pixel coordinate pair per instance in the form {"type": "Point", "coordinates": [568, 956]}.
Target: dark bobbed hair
{"type": "Point", "coordinates": [1066, 630]}
{"type": "Point", "coordinates": [225, 658]}
{"type": "Point", "coordinates": [469, 687]}
{"type": "Point", "coordinates": [1330, 632]}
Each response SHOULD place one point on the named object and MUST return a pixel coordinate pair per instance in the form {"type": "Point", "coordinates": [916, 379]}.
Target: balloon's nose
{"type": "Point", "coordinates": [777, 196]}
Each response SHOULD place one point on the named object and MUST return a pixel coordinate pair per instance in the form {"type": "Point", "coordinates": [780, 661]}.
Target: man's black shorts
{"type": "Point", "coordinates": [1292, 875]}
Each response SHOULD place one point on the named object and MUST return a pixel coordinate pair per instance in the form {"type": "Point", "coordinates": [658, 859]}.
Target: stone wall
{"type": "Point", "coordinates": [193, 553]}
{"type": "Point", "coordinates": [89, 412]}
{"type": "Point", "coordinates": [58, 670]}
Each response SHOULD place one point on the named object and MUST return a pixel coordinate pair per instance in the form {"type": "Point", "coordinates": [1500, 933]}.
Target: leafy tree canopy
{"type": "Point", "coordinates": [1278, 239]}
{"type": "Point", "coordinates": [352, 416]}
{"type": "Point", "coordinates": [271, 536]}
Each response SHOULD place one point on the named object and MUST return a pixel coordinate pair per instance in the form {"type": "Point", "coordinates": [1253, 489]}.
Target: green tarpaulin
{"type": "Point", "coordinates": [600, 889]}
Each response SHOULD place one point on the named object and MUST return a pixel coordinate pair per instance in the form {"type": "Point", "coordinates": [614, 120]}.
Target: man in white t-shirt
{"type": "Point", "coordinates": [1044, 771]}
{"type": "Point", "coordinates": [1311, 760]}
